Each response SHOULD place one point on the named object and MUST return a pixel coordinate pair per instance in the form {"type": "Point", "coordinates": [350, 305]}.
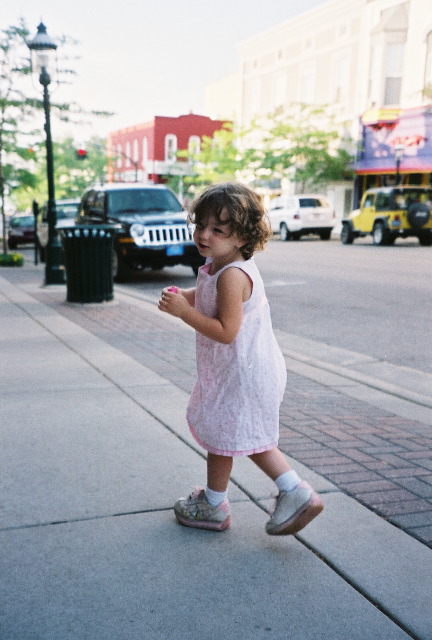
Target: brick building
{"type": "Point", "coordinates": [148, 151]}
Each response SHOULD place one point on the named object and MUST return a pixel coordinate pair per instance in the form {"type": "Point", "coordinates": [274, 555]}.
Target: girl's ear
{"type": "Point", "coordinates": [241, 243]}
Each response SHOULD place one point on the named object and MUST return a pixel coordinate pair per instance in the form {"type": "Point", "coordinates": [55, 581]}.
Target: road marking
{"type": "Point", "coordinates": [284, 283]}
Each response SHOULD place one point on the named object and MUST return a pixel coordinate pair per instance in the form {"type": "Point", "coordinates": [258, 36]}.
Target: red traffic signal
{"type": "Point", "coordinates": [81, 154]}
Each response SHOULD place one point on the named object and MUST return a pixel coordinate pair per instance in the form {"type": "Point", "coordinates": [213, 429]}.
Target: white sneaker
{"type": "Point", "coordinates": [294, 510]}
{"type": "Point", "coordinates": [195, 511]}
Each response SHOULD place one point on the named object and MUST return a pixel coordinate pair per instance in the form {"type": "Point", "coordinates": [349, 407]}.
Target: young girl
{"type": "Point", "coordinates": [234, 407]}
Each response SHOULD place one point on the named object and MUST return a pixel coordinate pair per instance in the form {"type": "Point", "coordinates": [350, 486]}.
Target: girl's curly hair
{"type": "Point", "coordinates": [247, 216]}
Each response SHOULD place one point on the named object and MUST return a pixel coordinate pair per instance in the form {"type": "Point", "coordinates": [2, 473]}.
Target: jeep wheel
{"type": "Point", "coordinates": [425, 238]}
{"type": "Point", "coordinates": [284, 232]}
{"type": "Point", "coordinates": [418, 214]}
{"type": "Point", "coordinates": [121, 271]}
{"type": "Point", "coordinates": [347, 236]}
{"type": "Point", "coordinates": [381, 235]}
{"type": "Point", "coordinates": [325, 234]}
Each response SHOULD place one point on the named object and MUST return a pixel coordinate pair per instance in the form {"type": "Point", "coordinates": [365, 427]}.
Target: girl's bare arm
{"type": "Point", "coordinates": [234, 288]}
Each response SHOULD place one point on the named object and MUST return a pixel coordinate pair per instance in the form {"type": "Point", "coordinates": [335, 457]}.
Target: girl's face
{"type": "Point", "coordinates": [214, 239]}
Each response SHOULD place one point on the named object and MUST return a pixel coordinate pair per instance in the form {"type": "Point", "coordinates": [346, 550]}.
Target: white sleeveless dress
{"type": "Point", "coordinates": [234, 407]}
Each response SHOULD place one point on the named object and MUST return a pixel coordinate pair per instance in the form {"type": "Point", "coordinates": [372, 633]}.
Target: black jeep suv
{"type": "Point", "coordinates": [154, 231]}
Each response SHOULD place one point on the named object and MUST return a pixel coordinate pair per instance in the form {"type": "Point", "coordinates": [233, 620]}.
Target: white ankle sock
{"type": "Point", "coordinates": [215, 497]}
{"type": "Point", "coordinates": [288, 481]}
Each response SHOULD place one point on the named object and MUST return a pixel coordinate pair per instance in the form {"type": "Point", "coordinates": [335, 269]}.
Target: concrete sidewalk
{"type": "Point", "coordinates": [95, 451]}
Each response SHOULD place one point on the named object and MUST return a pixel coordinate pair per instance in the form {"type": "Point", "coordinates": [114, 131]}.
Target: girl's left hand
{"type": "Point", "coordinates": [173, 303]}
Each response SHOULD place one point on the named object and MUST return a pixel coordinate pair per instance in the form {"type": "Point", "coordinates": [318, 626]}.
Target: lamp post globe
{"type": "Point", "coordinates": [43, 48]}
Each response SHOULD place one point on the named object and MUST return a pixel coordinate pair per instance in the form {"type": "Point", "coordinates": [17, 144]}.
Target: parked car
{"type": "Point", "coordinates": [154, 229]}
{"type": "Point", "coordinates": [66, 210]}
{"type": "Point", "coordinates": [295, 216]}
{"type": "Point", "coordinates": [21, 230]}
{"type": "Point", "coordinates": [387, 213]}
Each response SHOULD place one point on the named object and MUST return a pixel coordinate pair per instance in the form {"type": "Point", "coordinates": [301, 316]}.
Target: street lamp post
{"type": "Point", "coordinates": [399, 152]}
{"type": "Point", "coordinates": [43, 48]}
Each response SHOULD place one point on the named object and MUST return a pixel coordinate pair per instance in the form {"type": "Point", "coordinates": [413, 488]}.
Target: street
{"type": "Point", "coordinates": [373, 300]}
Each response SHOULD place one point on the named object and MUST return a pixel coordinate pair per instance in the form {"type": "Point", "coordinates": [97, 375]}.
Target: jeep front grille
{"type": "Point", "coordinates": [164, 234]}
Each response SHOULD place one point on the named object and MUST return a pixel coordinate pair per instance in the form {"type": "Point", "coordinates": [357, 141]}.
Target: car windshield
{"type": "Point", "coordinates": [23, 221]}
{"type": "Point", "coordinates": [310, 202]}
{"type": "Point", "coordinates": [403, 198]}
{"type": "Point", "coordinates": [66, 210]}
{"type": "Point", "coordinates": [142, 201]}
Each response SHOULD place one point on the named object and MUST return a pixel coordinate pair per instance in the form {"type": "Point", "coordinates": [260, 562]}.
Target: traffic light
{"type": "Point", "coordinates": [81, 154]}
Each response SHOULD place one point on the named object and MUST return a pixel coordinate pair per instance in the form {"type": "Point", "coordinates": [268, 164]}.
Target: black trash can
{"type": "Point", "coordinates": [88, 262]}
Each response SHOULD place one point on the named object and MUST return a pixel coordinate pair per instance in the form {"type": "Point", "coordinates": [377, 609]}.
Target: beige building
{"type": "Point", "coordinates": [353, 55]}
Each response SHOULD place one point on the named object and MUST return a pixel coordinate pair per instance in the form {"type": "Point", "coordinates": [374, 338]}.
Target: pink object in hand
{"type": "Point", "coordinates": [173, 289]}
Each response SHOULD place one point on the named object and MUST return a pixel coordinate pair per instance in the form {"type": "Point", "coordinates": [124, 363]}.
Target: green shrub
{"type": "Point", "coordinates": [11, 260]}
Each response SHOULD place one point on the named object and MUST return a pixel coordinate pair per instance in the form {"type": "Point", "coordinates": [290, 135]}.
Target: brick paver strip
{"type": "Point", "coordinates": [365, 451]}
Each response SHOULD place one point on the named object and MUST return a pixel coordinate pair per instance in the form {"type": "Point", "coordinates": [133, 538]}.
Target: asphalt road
{"type": "Point", "coordinates": [372, 300]}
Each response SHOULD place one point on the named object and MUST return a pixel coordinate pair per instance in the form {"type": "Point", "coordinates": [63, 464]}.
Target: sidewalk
{"type": "Point", "coordinates": [95, 451]}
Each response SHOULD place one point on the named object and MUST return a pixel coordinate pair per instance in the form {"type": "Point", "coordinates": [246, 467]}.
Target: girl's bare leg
{"type": "Point", "coordinates": [272, 462]}
{"type": "Point", "coordinates": [297, 503]}
{"type": "Point", "coordinates": [218, 471]}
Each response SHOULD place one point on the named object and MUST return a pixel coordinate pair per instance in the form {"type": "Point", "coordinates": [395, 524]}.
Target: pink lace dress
{"type": "Point", "coordinates": [234, 407]}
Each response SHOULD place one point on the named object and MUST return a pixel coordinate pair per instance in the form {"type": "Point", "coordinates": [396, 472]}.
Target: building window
{"type": "Point", "coordinates": [428, 67]}
{"type": "Point", "coordinates": [393, 62]}
{"type": "Point", "coordinates": [145, 149]}
{"type": "Point", "coordinates": [119, 156]}
{"type": "Point", "coordinates": [342, 30]}
{"type": "Point", "coordinates": [252, 102]}
{"type": "Point", "coordinates": [340, 79]}
{"type": "Point", "coordinates": [128, 154]}
{"type": "Point", "coordinates": [135, 150]}
{"type": "Point", "coordinates": [279, 90]}
{"type": "Point", "coordinates": [194, 147]}
{"type": "Point", "coordinates": [170, 147]}
{"type": "Point", "coordinates": [307, 84]}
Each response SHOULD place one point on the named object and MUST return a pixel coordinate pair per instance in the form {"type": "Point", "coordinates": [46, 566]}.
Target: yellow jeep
{"type": "Point", "coordinates": [388, 213]}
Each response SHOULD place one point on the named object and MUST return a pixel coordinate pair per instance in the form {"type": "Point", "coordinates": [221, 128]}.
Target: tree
{"type": "Point", "coordinates": [71, 175]}
{"type": "Point", "coordinates": [15, 109]}
{"type": "Point", "coordinates": [218, 160]}
{"type": "Point", "coordinates": [301, 143]}
{"type": "Point", "coordinates": [17, 113]}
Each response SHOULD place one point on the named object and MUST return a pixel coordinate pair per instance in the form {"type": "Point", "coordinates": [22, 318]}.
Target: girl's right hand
{"type": "Point", "coordinates": [172, 301]}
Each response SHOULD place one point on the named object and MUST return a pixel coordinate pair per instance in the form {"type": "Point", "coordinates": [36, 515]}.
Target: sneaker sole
{"type": "Point", "coordinates": [301, 518]}
{"type": "Point", "coordinates": [210, 526]}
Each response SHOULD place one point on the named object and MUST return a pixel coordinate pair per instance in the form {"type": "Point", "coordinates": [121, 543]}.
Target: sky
{"type": "Point", "coordinates": [147, 58]}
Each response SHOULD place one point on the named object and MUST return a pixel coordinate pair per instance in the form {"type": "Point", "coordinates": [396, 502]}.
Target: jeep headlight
{"type": "Point", "coordinates": [137, 231]}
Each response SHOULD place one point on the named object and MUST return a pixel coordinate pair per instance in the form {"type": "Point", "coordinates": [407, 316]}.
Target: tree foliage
{"type": "Point", "coordinates": [300, 143]}
{"type": "Point", "coordinates": [72, 175]}
{"type": "Point", "coordinates": [21, 144]}
{"type": "Point", "coordinates": [15, 110]}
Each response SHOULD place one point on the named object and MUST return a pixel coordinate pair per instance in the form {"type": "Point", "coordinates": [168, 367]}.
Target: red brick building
{"type": "Point", "coordinates": [148, 151]}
